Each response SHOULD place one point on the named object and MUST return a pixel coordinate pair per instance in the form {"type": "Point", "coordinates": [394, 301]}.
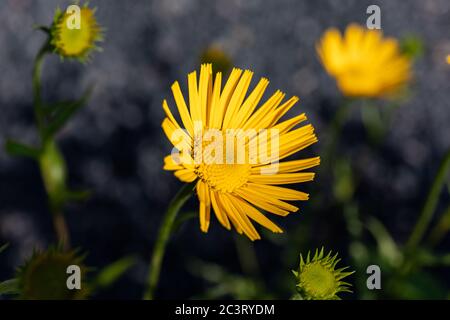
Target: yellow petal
{"type": "Point", "coordinates": [279, 192]}
{"type": "Point", "coordinates": [186, 175]}
{"type": "Point", "coordinates": [250, 103]}
{"type": "Point", "coordinates": [225, 97]}
{"type": "Point", "coordinates": [205, 205]}
{"type": "Point", "coordinates": [237, 99]}
{"type": "Point", "coordinates": [282, 178]}
{"type": "Point", "coordinates": [182, 108]}
{"type": "Point", "coordinates": [219, 211]}
{"type": "Point", "coordinates": [254, 214]}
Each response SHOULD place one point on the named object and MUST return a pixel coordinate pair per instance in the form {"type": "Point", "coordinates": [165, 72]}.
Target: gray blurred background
{"type": "Point", "coordinates": [115, 146]}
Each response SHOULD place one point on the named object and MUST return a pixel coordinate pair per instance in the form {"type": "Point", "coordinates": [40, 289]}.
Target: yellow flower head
{"type": "Point", "coordinates": [231, 148]}
{"type": "Point", "coordinates": [448, 59]}
{"type": "Point", "coordinates": [78, 43]}
{"type": "Point", "coordinates": [364, 63]}
{"type": "Point", "coordinates": [318, 278]}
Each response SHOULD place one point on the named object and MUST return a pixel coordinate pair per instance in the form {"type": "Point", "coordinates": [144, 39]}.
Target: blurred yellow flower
{"type": "Point", "coordinates": [234, 189]}
{"type": "Point", "coordinates": [72, 42]}
{"type": "Point", "coordinates": [448, 59]}
{"type": "Point", "coordinates": [364, 63]}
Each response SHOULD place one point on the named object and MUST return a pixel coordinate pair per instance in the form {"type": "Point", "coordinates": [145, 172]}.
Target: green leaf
{"type": "Point", "coordinates": [62, 112]}
{"type": "Point", "coordinates": [9, 287]}
{"type": "Point", "coordinates": [419, 286]}
{"type": "Point", "coordinates": [428, 259]}
{"type": "Point", "coordinates": [224, 284]}
{"type": "Point", "coordinates": [387, 248]}
{"type": "Point", "coordinates": [111, 273]}
{"type": "Point", "coordinates": [19, 149]}
{"type": "Point", "coordinates": [3, 247]}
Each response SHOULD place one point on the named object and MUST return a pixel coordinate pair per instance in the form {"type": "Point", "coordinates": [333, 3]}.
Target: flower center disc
{"type": "Point", "coordinates": [224, 177]}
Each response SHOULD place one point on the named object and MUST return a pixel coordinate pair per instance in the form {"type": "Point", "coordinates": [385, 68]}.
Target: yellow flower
{"type": "Point", "coordinates": [72, 42]}
{"type": "Point", "coordinates": [364, 63]}
{"type": "Point", "coordinates": [233, 186]}
{"type": "Point", "coordinates": [448, 59]}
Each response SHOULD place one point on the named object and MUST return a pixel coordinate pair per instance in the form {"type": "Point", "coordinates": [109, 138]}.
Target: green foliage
{"type": "Point", "coordinates": [4, 247]}
{"type": "Point", "coordinates": [9, 287]}
{"type": "Point", "coordinates": [227, 285]}
{"type": "Point", "coordinates": [111, 273]}
{"type": "Point", "coordinates": [60, 113]}
{"type": "Point", "coordinates": [19, 149]}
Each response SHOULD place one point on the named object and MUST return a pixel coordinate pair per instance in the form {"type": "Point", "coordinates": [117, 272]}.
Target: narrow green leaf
{"type": "Point", "coordinates": [9, 287]}
{"type": "Point", "coordinates": [387, 247]}
{"type": "Point", "coordinates": [111, 273]}
{"type": "Point", "coordinates": [63, 111]}
{"type": "Point", "coordinates": [19, 149]}
{"type": "Point", "coordinates": [3, 247]}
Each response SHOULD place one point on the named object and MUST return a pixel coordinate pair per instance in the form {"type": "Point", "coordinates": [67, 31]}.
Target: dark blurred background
{"type": "Point", "coordinates": [115, 145]}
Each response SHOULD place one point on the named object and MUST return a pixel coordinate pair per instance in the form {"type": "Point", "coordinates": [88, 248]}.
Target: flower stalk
{"type": "Point", "coordinates": [51, 162]}
{"type": "Point", "coordinates": [430, 204]}
{"type": "Point", "coordinates": [163, 237]}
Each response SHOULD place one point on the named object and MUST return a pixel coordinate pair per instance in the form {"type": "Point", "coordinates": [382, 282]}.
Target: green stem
{"type": "Point", "coordinates": [59, 222]}
{"type": "Point", "coordinates": [441, 228]}
{"type": "Point", "coordinates": [62, 232]}
{"type": "Point", "coordinates": [163, 237]}
{"type": "Point", "coordinates": [335, 132]}
{"type": "Point", "coordinates": [430, 204]}
{"type": "Point", "coordinates": [37, 97]}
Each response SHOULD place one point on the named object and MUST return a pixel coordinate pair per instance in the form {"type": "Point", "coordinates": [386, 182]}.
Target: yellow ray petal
{"type": "Point", "coordinates": [250, 103]}
{"type": "Point", "coordinates": [291, 166]}
{"type": "Point", "coordinates": [225, 97]}
{"type": "Point", "coordinates": [254, 214]}
{"type": "Point", "coordinates": [182, 108]}
{"type": "Point", "coordinates": [260, 203]}
{"type": "Point", "coordinates": [177, 136]}
{"type": "Point", "coordinates": [231, 216]}
{"type": "Point", "coordinates": [264, 111]}
{"type": "Point", "coordinates": [215, 101]}
{"type": "Point", "coordinates": [219, 211]}
{"type": "Point", "coordinates": [282, 178]}
{"type": "Point", "coordinates": [243, 221]}
{"type": "Point", "coordinates": [287, 125]}
{"type": "Point", "coordinates": [279, 192]}
{"type": "Point", "coordinates": [205, 81]}
{"type": "Point", "coordinates": [170, 164]}
{"type": "Point", "coordinates": [194, 103]}
{"type": "Point", "coordinates": [186, 175]}
{"type": "Point", "coordinates": [205, 205]}
{"type": "Point", "coordinates": [249, 192]}
{"type": "Point", "coordinates": [271, 120]}
{"type": "Point", "coordinates": [237, 99]}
